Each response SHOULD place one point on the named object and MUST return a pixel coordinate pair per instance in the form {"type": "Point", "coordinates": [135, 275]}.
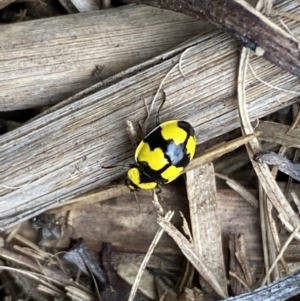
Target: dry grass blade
{"type": "Point", "coordinates": [240, 189]}
{"type": "Point", "coordinates": [289, 15]}
{"type": "Point", "coordinates": [143, 265]}
{"type": "Point", "coordinates": [263, 226]}
{"type": "Point", "coordinates": [234, 24]}
{"type": "Point", "coordinates": [270, 238]}
{"type": "Point", "coordinates": [35, 276]}
{"type": "Point", "coordinates": [220, 149]}
{"type": "Point", "coordinates": [95, 284]}
{"type": "Point", "coordinates": [186, 228]}
{"type": "Point", "coordinates": [284, 139]}
{"type": "Point", "coordinates": [29, 252]}
{"type": "Point", "coordinates": [267, 7]}
{"type": "Point", "coordinates": [269, 184]}
{"type": "Point", "coordinates": [287, 225]}
{"type": "Point", "coordinates": [242, 258]}
{"type": "Point", "coordinates": [291, 141]}
{"type": "Point", "coordinates": [240, 279]}
{"type": "Point", "coordinates": [187, 277]}
{"type": "Point", "coordinates": [280, 254]}
{"type": "Point", "coordinates": [279, 133]}
{"type": "Point", "coordinates": [238, 282]}
{"type": "Point", "coordinates": [235, 285]}
{"type": "Point", "coordinates": [274, 194]}
{"type": "Point", "coordinates": [275, 246]}
{"type": "Point", "coordinates": [192, 255]}
{"type": "Point", "coordinates": [31, 245]}
{"type": "Point", "coordinates": [12, 232]}
{"type": "Point", "coordinates": [76, 294]}
{"type": "Point", "coordinates": [296, 200]}
{"type": "Point", "coordinates": [55, 277]}
{"type": "Point", "coordinates": [162, 298]}
{"type": "Point", "coordinates": [49, 291]}
{"type": "Point", "coordinates": [95, 196]}
{"type": "Point", "coordinates": [270, 85]}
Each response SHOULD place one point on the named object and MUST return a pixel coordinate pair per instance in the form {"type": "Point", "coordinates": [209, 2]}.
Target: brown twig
{"type": "Point", "coordinates": [279, 290]}
{"type": "Point", "coordinates": [260, 35]}
{"type": "Point", "coordinates": [286, 166]}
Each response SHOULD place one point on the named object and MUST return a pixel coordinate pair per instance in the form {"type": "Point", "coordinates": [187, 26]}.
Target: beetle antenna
{"type": "Point", "coordinates": [115, 166]}
{"type": "Point", "coordinates": [160, 107]}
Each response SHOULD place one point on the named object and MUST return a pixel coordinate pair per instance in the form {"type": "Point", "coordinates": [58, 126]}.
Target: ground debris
{"type": "Point", "coordinates": [285, 165]}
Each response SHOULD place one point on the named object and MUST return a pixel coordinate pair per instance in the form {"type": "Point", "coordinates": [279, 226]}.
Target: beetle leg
{"type": "Point", "coordinates": [158, 189]}
{"type": "Point", "coordinates": [158, 192]}
{"type": "Point", "coordinates": [114, 166]}
{"type": "Point", "coordinates": [141, 135]}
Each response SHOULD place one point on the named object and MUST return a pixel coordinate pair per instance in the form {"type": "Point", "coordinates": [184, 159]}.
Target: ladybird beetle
{"type": "Point", "coordinates": [162, 155]}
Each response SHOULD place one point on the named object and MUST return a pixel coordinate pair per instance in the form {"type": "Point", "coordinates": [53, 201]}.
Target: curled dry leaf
{"type": "Point", "coordinates": [285, 165]}
{"type": "Point", "coordinates": [80, 256]}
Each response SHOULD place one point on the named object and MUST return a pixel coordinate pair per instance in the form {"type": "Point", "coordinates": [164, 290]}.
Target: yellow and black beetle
{"type": "Point", "coordinates": [162, 155]}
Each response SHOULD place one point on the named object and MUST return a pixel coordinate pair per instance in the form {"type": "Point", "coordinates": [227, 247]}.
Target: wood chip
{"type": "Point", "coordinates": [261, 35]}
{"type": "Point", "coordinates": [278, 133]}
{"type": "Point", "coordinates": [206, 230]}
{"type": "Point", "coordinates": [285, 165]}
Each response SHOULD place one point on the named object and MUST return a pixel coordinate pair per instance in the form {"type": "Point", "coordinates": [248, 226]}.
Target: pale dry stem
{"type": "Point", "coordinates": [240, 189]}
{"type": "Point", "coordinates": [143, 265]}
{"type": "Point", "coordinates": [31, 245]}
{"type": "Point", "coordinates": [12, 232]}
{"type": "Point", "coordinates": [269, 184]}
{"type": "Point", "coordinates": [276, 238]}
{"type": "Point", "coordinates": [288, 15]}
{"type": "Point", "coordinates": [220, 149]}
{"type": "Point", "coordinates": [240, 279]}
{"type": "Point", "coordinates": [296, 200]}
{"type": "Point", "coordinates": [263, 225]}
{"type": "Point", "coordinates": [186, 228]}
{"type": "Point", "coordinates": [284, 247]}
{"type": "Point", "coordinates": [243, 261]}
{"type": "Point", "coordinates": [192, 255]}
{"type": "Point", "coordinates": [270, 85]}
{"type": "Point", "coordinates": [77, 295]}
